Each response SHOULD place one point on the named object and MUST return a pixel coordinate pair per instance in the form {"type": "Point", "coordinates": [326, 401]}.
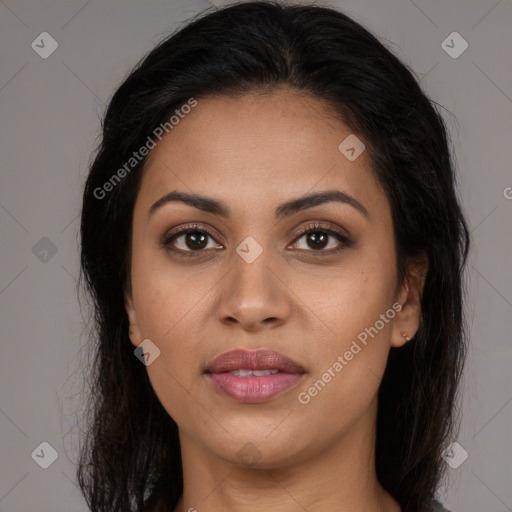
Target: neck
{"type": "Point", "coordinates": [340, 478]}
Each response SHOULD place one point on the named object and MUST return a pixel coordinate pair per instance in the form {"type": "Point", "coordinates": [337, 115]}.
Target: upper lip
{"type": "Point", "coordinates": [253, 360]}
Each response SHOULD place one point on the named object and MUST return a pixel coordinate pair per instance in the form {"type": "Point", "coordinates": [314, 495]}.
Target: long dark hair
{"type": "Point", "coordinates": [131, 448]}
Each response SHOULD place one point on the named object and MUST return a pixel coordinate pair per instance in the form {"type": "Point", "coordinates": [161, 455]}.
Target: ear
{"type": "Point", "coordinates": [134, 330]}
{"type": "Point", "coordinates": [407, 320]}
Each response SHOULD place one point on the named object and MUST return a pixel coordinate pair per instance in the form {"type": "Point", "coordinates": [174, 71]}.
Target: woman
{"type": "Point", "coordinates": [274, 246]}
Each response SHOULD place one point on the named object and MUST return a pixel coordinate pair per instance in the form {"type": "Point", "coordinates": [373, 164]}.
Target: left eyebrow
{"type": "Point", "coordinates": [284, 210]}
{"type": "Point", "coordinates": [310, 200]}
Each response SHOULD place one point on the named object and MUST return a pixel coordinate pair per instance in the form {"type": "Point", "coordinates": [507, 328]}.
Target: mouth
{"type": "Point", "coordinates": [253, 376]}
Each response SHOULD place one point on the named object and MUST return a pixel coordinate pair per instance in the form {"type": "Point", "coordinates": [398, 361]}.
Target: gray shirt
{"type": "Point", "coordinates": [437, 507]}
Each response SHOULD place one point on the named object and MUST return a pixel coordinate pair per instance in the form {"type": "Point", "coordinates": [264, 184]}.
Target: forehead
{"type": "Point", "coordinates": [257, 147]}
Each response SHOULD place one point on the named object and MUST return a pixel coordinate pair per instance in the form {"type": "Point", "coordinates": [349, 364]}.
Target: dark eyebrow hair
{"type": "Point", "coordinates": [210, 205]}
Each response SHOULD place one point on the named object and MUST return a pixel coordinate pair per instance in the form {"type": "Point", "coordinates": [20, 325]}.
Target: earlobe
{"type": "Point", "coordinates": [134, 331]}
{"type": "Point", "coordinates": [408, 318]}
{"type": "Point", "coordinates": [406, 336]}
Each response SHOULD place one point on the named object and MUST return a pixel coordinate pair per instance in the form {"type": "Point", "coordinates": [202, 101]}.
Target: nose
{"type": "Point", "coordinates": [254, 295]}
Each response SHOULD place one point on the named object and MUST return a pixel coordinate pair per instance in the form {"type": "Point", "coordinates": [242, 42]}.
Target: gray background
{"type": "Point", "coordinates": [49, 126]}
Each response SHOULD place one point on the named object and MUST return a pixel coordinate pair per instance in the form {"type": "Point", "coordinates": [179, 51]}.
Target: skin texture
{"type": "Point", "coordinates": [253, 153]}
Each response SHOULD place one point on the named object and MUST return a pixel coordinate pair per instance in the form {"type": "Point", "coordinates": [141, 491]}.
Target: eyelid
{"type": "Point", "coordinates": [183, 230]}
{"type": "Point", "coordinates": [180, 230]}
{"type": "Point", "coordinates": [311, 227]}
{"type": "Point", "coordinates": [337, 233]}
{"type": "Point", "coordinates": [327, 228]}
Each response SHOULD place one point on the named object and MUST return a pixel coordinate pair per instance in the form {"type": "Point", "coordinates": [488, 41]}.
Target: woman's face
{"type": "Point", "coordinates": [255, 283]}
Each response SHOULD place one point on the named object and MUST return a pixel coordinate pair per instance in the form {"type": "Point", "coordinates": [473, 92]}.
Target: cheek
{"type": "Point", "coordinates": [355, 308]}
{"type": "Point", "coordinates": [169, 296]}
{"type": "Point", "coordinates": [348, 369]}
{"type": "Point", "coordinates": [169, 312]}
{"type": "Point", "coordinates": [172, 320]}
{"type": "Point", "coordinates": [171, 380]}
{"type": "Point", "coordinates": [349, 296]}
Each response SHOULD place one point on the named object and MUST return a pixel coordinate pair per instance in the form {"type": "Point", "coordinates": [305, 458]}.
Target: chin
{"type": "Point", "coordinates": [256, 452]}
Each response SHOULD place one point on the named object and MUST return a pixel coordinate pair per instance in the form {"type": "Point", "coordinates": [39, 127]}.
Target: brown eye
{"type": "Point", "coordinates": [195, 240]}
{"type": "Point", "coordinates": [189, 240]}
{"type": "Point", "coordinates": [318, 238]}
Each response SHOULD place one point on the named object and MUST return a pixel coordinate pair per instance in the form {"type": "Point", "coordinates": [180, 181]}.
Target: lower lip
{"type": "Point", "coordinates": [254, 389]}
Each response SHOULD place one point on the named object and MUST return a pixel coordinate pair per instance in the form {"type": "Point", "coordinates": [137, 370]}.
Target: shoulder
{"type": "Point", "coordinates": [438, 507]}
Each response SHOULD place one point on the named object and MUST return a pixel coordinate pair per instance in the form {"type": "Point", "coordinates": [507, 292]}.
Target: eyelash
{"type": "Point", "coordinates": [311, 228]}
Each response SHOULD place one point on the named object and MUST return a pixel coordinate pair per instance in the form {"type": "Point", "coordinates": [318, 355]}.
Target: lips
{"type": "Point", "coordinates": [253, 360]}
{"type": "Point", "coordinates": [253, 376]}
